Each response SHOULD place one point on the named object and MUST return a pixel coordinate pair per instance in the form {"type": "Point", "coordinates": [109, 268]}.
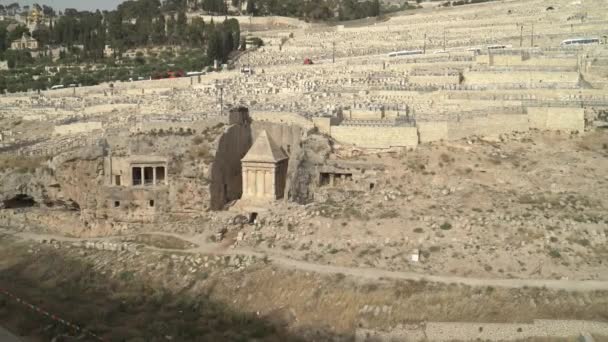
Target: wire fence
{"type": "Point", "coordinates": [52, 316]}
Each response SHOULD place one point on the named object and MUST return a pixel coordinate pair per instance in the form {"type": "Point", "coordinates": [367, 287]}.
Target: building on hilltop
{"type": "Point", "coordinates": [24, 43]}
{"type": "Point", "coordinates": [264, 170]}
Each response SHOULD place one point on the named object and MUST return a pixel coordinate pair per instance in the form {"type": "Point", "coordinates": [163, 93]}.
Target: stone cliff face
{"type": "Point", "coordinates": [76, 192]}
{"type": "Point", "coordinates": [56, 194]}
{"type": "Point", "coordinates": [303, 173]}
{"type": "Point", "coordinates": [133, 181]}
{"type": "Point", "coordinates": [65, 180]}
{"type": "Point", "coordinates": [226, 182]}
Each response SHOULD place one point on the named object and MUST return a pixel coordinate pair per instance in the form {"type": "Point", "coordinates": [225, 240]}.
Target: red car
{"type": "Point", "coordinates": [168, 74]}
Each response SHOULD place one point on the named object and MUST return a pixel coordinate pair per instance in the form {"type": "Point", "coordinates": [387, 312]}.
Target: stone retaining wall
{"type": "Point", "coordinates": [488, 126]}
{"type": "Point", "coordinates": [376, 137]}
{"type": "Point", "coordinates": [565, 119]}
{"type": "Point", "coordinates": [79, 127]}
{"type": "Point", "coordinates": [543, 118]}
{"type": "Point", "coordinates": [286, 118]}
{"type": "Point", "coordinates": [464, 331]}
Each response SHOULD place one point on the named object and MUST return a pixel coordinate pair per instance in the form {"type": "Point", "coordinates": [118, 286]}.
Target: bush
{"type": "Point", "coordinates": [434, 249]}
{"type": "Point", "coordinates": [445, 158]}
{"type": "Point", "coordinates": [389, 214]}
{"type": "Point", "coordinates": [446, 226]}
{"type": "Point", "coordinates": [554, 253]}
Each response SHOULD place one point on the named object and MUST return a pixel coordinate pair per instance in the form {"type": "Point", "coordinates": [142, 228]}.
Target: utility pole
{"type": "Point", "coordinates": [444, 39]}
{"type": "Point", "coordinates": [424, 44]}
{"type": "Point", "coordinates": [521, 35]}
{"type": "Point", "coordinates": [532, 36]}
{"type": "Point", "coordinates": [248, 52]}
{"type": "Point", "coordinates": [333, 55]}
{"type": "Point", "coordinates": [221, 100]}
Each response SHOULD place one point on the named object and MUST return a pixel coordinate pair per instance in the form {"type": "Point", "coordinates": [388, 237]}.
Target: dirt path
{"type": "Point", "coordinates": [358, 272]}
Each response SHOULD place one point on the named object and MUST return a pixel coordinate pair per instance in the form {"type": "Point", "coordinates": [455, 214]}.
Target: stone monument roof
{"type": "Point", "coordinates": [264, 149]}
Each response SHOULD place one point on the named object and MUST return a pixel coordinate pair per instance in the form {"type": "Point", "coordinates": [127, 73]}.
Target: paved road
{"type": "Point", "coordinates": [359, 272]}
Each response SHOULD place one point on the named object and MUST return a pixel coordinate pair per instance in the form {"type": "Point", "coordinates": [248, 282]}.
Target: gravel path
{"type": "Point", "coordinates": [358, 272]}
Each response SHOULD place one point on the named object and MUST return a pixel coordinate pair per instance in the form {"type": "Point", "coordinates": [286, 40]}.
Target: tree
{"type": "Point", "coordinates": [139, 58]}
{"type": "Point", "coordinates": [376, 8]}
{"type": "Point", "coordinates": [196, 32]}
{"type": "Point", "coordinates": [174, 5]}
{"type": "Point", "coordinates": [250, 7]}
{"type": "Point", "coordinates": [43, 36]}
{"type": "Point", "coordinates": [214, 46]}
{"type": "Point", "coordinates": [181, 25]}
{"type": "Point", "coordinates": [13, 8]}
{"type": "Point", "coordinates": [159, 36]}
{"type": "Point", "coordinates": [115, 32]}
{"type": "Point", "coordinates": [2, 84]}
{"type": "Point", "coordinates": [232, 25]}
{"type": "Point", "coordinates": [70, 12]}
{"type": "Point", "coordinates": [3, 38]}
{"type": "Point", "coordinates": [171, 29]}
{"type": "Point", "coordinates": [17, 33]}
{"type": "Point", "coordinates": [227, 44]}
{"type": "Point", "coordinates": [18, 59]}
{"type": "Point", "coordinates": [48, 11]}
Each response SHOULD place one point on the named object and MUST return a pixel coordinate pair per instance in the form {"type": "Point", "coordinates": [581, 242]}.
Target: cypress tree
{"type": "Point", "coordinates": [250, 7]}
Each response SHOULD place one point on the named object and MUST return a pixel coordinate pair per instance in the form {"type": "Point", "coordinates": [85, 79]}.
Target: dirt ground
{"type": "Point", "coordinates": [151, 295]}
{"type": "Point", "coordinates": [532, 205]}
{"type": "Point", "coordinates": [527, 206]}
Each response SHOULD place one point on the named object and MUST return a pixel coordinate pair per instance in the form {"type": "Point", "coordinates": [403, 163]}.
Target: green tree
{"type": "Point", "coordinates": [2, 84]}
{"type": "Point", "coordinates": [196, 32]}
{"type": "Point", "coordinates": [232, 25]}
{"type": "Point", "coordinates": [3, 39]}
{"type": "Point", "coordinates": [214, 46]}
{"type": "Point", "coordinates": [250, 7]}
{"type": "Point", "coordinates": [18, 59]}
{"type": "Point", "coordinates": [42, 35]}
{"type": "Point", "coordinates": [376, 8]}
{"type": "Point", "coordinates": [227, 44]}
{"type": "Point", "coordinates": [159, 35]}
{"type": "Point", "coordinates": [171, 29]}
{"type": "Point", "coordinates": [48, 11]}
{"type": "Point", "coordinates": [181, 25]}
{"type": "Point", "coordinates": [17, 33]}
{"type": "Point", "coordinates": [13, 8]}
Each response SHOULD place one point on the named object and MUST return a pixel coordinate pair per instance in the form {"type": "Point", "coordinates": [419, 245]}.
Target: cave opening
{"type": "Point", "coordinates": [252, 217]}
{"type": "Point", "coordinates": [19, 201]}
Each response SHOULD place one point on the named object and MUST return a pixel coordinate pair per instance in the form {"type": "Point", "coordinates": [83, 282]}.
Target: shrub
{"type": "Point", "coordinates": [446, 226]}
{"type": "Point", "coordinates": [554, 253]}
{"type": "Point", "coordinates": [582, 242]}
{"type": "Point", "coordinates": [389, 214]}
{"type": "Point", "coordinates": [445, 158]}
